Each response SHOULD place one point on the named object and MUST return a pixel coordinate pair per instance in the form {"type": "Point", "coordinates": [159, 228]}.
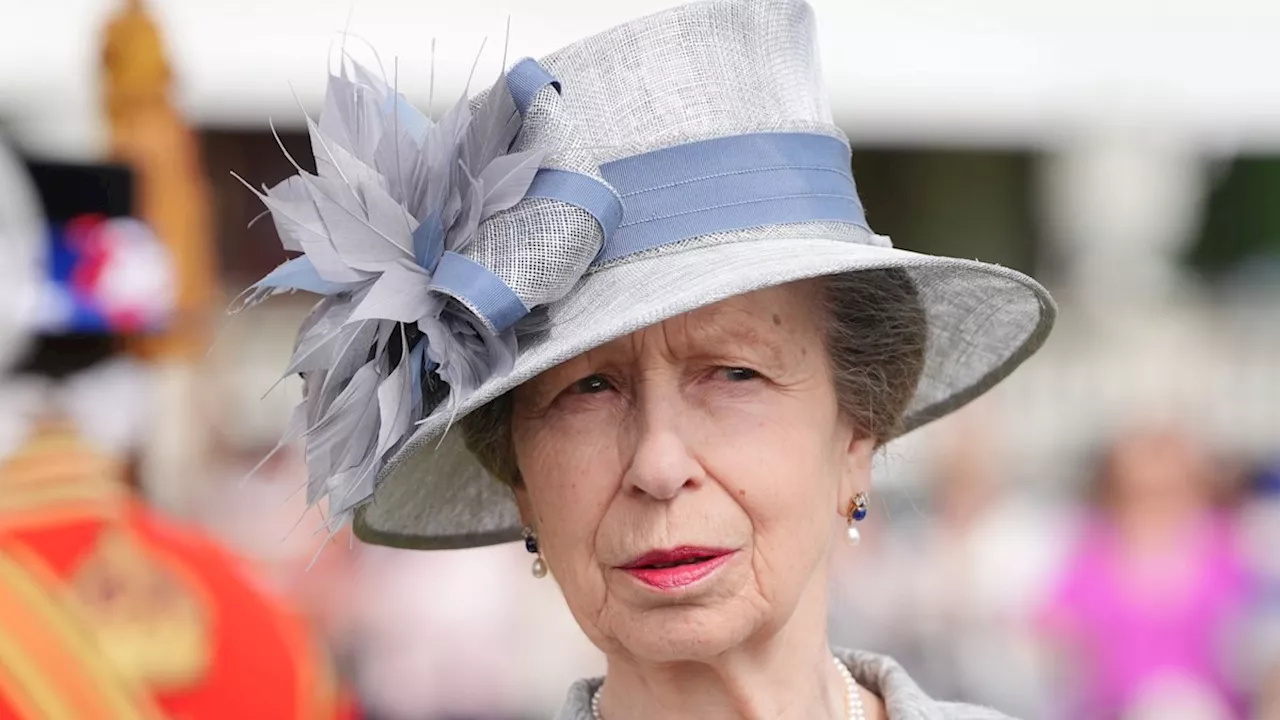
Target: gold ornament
{"type": "Point", "coordinates": [146, 622]}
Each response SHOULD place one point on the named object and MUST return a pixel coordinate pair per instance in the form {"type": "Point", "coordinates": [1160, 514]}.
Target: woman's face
{"type": "Point", "coordinates": [1158, 469]}
{"type": "Point", "coordinates": [711, 441]}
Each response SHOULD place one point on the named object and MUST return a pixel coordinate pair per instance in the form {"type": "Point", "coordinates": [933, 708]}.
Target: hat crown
{"type": "Point", "coordinates": [721, 69]}
{"type": "Point", "coordinates": [704, 70]}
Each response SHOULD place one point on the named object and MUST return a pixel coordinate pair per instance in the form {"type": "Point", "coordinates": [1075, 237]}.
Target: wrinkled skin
{"type": "Point", "coordinates": [718, 428]}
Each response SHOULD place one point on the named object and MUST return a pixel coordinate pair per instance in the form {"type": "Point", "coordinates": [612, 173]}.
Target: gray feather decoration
{"type": "Point", "coordinates": [392, 192]}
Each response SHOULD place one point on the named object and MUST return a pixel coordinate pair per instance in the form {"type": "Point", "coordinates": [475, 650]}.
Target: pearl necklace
{"type": "Point", "coordinates": [852, 699]}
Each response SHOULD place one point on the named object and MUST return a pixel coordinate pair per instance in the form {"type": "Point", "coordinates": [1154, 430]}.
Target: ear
{"type": "Point", "coordinates": [857, 466]}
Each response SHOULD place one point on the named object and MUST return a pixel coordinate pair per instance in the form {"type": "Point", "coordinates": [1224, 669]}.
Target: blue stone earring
{"type": "Point", "coordinates": [856, 513]}
{"type": "Point", "coordinates": [531, 544]}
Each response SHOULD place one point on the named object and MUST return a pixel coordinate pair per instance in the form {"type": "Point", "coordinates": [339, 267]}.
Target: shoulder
{"type": "Point", "coordinates": [961, 711]}
{"type": "Point", "coordinates": [903, 698]}
{"type": "Point", "coordinates": [577, 705]}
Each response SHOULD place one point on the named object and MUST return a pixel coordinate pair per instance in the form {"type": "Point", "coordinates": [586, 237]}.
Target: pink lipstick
{"type": "Point", "coordinates": [676, 568]}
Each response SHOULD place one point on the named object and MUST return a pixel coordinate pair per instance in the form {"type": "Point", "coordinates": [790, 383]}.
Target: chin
{"type": "Point", "coordinates": [681, 633]}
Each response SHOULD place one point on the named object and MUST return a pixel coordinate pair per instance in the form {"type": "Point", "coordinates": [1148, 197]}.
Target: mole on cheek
{"type": "Point", "coordinates": [742, 493]}
{"type": "Point", "coordinates": [777, 319]}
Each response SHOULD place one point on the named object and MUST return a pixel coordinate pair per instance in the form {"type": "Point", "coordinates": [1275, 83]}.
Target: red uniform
{"type": "Point", "coordinates": [109, 611]}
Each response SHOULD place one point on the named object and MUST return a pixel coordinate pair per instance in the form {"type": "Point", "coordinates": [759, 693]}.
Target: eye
{"type": "Point", "coordinates": [739, 374]}
{"type": "Point", "coordinates": [591, 385]}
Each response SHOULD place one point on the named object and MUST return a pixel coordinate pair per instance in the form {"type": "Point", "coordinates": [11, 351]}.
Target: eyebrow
{"type": "Point", "coordinates": [713, 339]}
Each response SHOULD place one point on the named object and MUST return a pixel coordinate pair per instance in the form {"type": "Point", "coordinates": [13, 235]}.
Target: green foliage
{"type": "Point", "coordinates": [1242, 219]}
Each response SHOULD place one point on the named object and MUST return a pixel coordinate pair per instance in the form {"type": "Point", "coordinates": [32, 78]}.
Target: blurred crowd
{"type": "Point", "coordinates": [1151, 593]}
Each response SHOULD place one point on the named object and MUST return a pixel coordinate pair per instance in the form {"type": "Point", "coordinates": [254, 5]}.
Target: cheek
{"type": "Point", "coordinates": [783, 467]}
{"type": "Point", "coordinates": [785, 449]}
{"type": "Point", "coordinates": [570, 471]}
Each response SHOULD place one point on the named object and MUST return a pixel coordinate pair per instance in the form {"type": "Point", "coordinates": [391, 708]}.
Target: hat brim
{"type": "Point", "coordinates": [983, 319]}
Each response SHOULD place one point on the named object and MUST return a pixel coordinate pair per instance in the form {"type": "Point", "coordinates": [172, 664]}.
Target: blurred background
{"type": "Point", "coordinates": [1109, 517]}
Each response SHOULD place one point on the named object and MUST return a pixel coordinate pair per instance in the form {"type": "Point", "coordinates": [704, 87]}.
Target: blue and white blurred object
{"type": "Point", "coordinates": [104, 271]}
{"type": "Point", "coordinates": [106, 275]}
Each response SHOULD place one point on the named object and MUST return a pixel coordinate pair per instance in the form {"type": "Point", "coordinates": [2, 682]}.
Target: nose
{"type": "Point", "coordinates": [663, 463]}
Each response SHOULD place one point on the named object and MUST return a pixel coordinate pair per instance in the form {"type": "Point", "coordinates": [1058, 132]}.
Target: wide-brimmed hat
{"type": "Point", "coordinates": [653, 169]}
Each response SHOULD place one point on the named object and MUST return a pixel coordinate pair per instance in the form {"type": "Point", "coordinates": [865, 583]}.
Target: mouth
{"type": "Point", "coordinates": [677, 568]}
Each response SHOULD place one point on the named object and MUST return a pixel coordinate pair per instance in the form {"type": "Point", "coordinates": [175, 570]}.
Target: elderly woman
{"type": "Point", "coordinates": [626, 305]}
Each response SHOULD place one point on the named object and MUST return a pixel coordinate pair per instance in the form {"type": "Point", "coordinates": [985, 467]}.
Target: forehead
{"type": "Point", "coordinates": [786, 312]}
{"type": "Point", "coordinates": [776, 321]}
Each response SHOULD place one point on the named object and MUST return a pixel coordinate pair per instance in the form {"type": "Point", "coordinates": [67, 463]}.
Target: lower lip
{"type": "Point", "coordinates": [678, 576]}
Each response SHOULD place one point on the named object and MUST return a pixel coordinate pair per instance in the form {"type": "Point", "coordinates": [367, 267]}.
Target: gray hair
{"type": "Point", "coordinates": [876, 333]}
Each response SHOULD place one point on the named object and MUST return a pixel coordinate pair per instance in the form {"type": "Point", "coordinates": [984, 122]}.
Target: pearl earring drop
{"type": "Point", "coordinates": [856, 513]}
{"type": "Point", "coordinates": [539, 568]}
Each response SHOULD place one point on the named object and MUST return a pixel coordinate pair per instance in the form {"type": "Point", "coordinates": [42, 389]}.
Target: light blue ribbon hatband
{"type": "Point", "coordinates": [486, 293]}
{"type": "Point", "coordinates": [525, 79]}
{"type": "Point", "coordinates": [730, 183]}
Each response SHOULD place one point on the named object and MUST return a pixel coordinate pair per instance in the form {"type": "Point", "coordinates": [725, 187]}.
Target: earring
{"type": "Point", "coordinates": [539, 568]}
{"type": "Point", "coordinates": [856, 513]}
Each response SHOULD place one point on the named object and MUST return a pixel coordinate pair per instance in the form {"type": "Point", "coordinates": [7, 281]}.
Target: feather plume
{"type": "Point", "coordinates": [362, 244]}
{"type": "Point", "coordinates": [318, 348]}
{"type": "Point", "coordinates": [336, 163]}
{"type": "Point", "coordinates": [401, 294]}
{"type": "Point", "coordinates": [506, 179]}
{"type": "Point", "coordinates": [417, 370]}
{"type": "Point", "coordinates": [492, 129]}
{"type": "Point", "coordinates": [298, 220]}
{"type": "Point", "coordinates": [340, 428]}
{"type": "Point", "coordinates": [464, 227]}
{"type": "Point", "coordinates": [395, 400]}
{"type": "Point", "coordinates": [392, 192]}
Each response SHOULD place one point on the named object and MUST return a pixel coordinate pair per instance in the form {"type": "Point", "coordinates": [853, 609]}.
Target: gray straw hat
{"type": "Point", "coordinates": [655, 168]}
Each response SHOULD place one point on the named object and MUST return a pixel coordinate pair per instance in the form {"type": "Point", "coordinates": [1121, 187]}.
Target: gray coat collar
{"type": "Point", "coordinates": [903, 698]}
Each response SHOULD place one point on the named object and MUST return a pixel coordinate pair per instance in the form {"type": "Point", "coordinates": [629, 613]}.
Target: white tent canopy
{"type": "Point", "coordinates": [977, 71]}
